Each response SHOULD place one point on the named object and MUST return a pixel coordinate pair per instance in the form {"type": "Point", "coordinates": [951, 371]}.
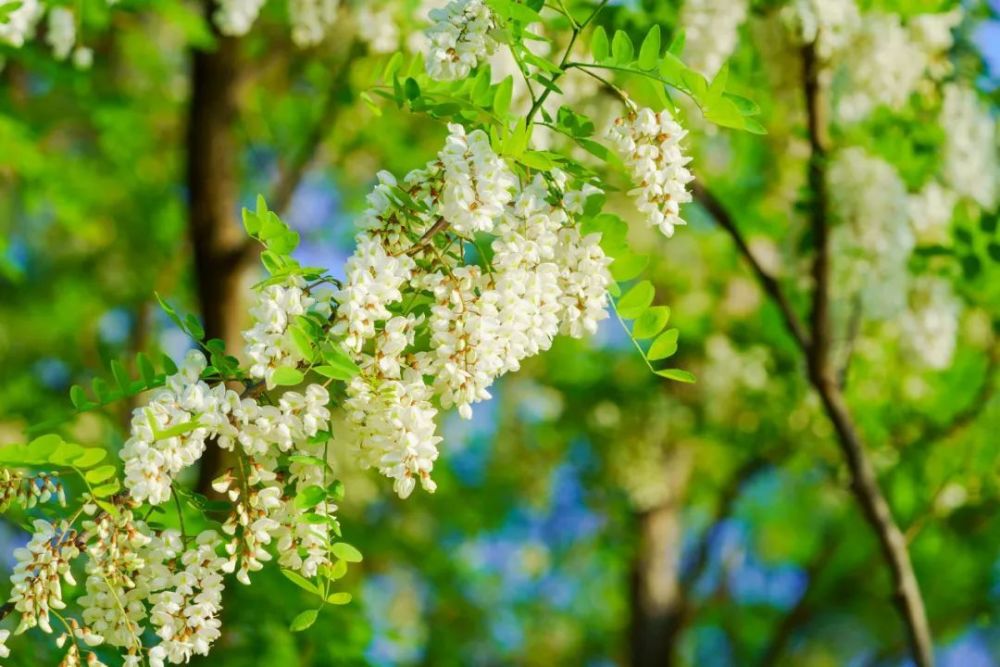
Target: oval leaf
{"type": "Point", "coordinates": [664, 346]}
{"type": "Point", "coordinates": [287, 376]}
{"type": "Point", "coordinates": [676, 374]}
{"type": "Point", "coordinates": [636, 300]}
{"type": "Point", "coordinates": [651, 322]}
{"type": "Point", "coordinates": [346, 552]}
{"type": "Point", "coordinates": [303, 621]}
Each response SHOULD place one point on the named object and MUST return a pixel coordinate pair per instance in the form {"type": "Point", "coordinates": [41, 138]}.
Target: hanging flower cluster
{"type": "Point", "coordinates": [650, 144]}
{"type": "Point", "coordinates": [459, 39]}
{"type": "Point", "coordinates": [20, 25]}
{"type": "Point", "coordinates": [474, 323]}
{"type": "Point", "coordinates": [711, 29]}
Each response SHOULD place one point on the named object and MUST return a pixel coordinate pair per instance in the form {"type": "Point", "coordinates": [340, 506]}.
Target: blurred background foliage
{"type": "Point", "coordinates": [587, 482]}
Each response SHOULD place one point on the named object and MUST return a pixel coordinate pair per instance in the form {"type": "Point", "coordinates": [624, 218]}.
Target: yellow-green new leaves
{"type": "Point", "coordinates": [667, 69]}
{"type": "Point", "coordinates": [649, 322]}
{"type": "Point", "coordinates": [342, 554]}
{"type": "Point", "coordinates": [52, 450]}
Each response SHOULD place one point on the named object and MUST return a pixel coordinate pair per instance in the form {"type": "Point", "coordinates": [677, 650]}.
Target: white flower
{"type": "Point", "coordinates": [36, 578]}
{"type": "Point", "coordinates": [583, 282]}
{"type": "Point", "coordinates": [711, 29]}
{"type": "Point", "coordinates": [186, 612]}
{"type": "Point", "coordinates": [4, 651]}
{"type": "Point", "coordinates": [459, 38]}
{"type": "Point", "coordinates": [378, 28]}
{"type": "Point", "coordinates": [373, 283]}
{"type": "Point", "coordinates": [649, 144]}
{"type": "Point", "coordinates": [971, 167]}
{"type": "Point", "coordinates": [20, 23]}
{"type": "Point", "coordinates": [236, 17]}
{"type": "Point", "coordinates": [871, 237]}
{"type": "Point", "coordinates": [930, 323]}
{"type": "Point", "coordinates": [311, 19]}
{"type": "Point", "coordinates": [393, 428]}
{"type": "Point", "coordinates": [827, 23]}
{"type": "Point", "coordinates": [931, 211]}
{"type": "Point", "coordinates": [477, 182]}
{"type": "Point", "coordinates": [61, 34]}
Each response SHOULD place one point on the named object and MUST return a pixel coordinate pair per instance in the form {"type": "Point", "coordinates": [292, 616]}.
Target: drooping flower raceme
{"type": "Point", "coordinates": [236, 17]}
{"type": "Point", "coordinates": [459, 38]}
{"type": "Point", "coordinates": [871, 237]}
{"type": "Point", "coordinates": [971, 165]}
{"type": "Point", "coordinates": [930, 323]}
{"type": "Point", "coordinates": [711, 29]}
{"type": "Point", "coordinates": [311, 19]}
{"type": "Point", "coordinates": [19, 25]}
{"type": "Point", "coordinates": [480, 322]}
{"type": "Point", "coordinates": [61, 34]}
{"type": "Point", "coordinates": [650, 145]}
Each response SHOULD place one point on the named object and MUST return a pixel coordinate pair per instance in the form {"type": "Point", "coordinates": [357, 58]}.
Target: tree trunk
{"type": "Point", "coordinates": [213, 186]}
{"type": "Point", "coordinates": [657, 600]}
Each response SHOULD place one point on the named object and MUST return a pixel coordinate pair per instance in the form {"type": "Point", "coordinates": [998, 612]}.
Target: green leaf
{"type": "Point", "coordinates": [536, 160]}
{"type": "Point", "coordinates": [304, 620]}
{"type": "Point", "coordinates": [79, 397]}
{"type": "Point", "coordinates": [339, 598]}
{"type": "Point", "coordinates": [336, 570]}
{"type": "Point", "coordinates": [622, 50]}
{"type": "Point", "coordinates": [193, 326]}
{"type": "Point", "coordinates": [599, 44]}
{"type": "Point", "coordinates": [346, 552]}
{"type": "Point", "coordinates": [651, 322]}
{"type": "Point", "coordinates": [286, 376]}
{"type": "Point", "coordinates": [100, 387]}
{"type": "Point", "coordinates": [90, 456]}
{"type": "Point", "coordinates": [636, 300]}
{"type": "Point", "coordinates": [310, 496]}
{"type": "Point", "coordinates": [301, 581]}
{"type": "Point", "coordinates": [107, 490]}
{"type": "Point", "coordinates": [664, 346]}
{"type": "Point", "coordinates": [121, 377]}
{"type": "Point", "coordinates": [411, 88]}
{"type": "Point", "coordinates": [649, 52]}
{"type": "Point", "coordinates": [676, 47]}
{"type": "Point", "coordinates": [502, 97]}
{"type": "Point", "coordinates": [146, 369]}
{"type": "Point", "coordinates": [676, 374]}
{"type": "Point", "coordinates": [98, 475]}
{"type": "Point", "coordinates": [169, 367]}
{"type": "Point", "coordinates": [65, 454]}
{"type": "Point", "coordinates": [628, 265]}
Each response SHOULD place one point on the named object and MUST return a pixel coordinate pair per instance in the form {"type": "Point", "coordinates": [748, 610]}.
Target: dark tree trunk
{"type": "Point", "coordinates": [217, 243]}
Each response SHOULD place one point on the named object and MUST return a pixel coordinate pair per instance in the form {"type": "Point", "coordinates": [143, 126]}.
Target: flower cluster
{"type": "Point", "coordinates": [711, 29]}
{"type": "Point", "coordinates": [311, 19]}
{"type": "Point", "coordinates": [650, 145]}
{"type": "Point", "coordinates": [829, 24]}
{"type": "Point", "coordinates": [41, 566]}
{"type": "Point", "coordinates": [459, 38]}
{"type": "Point", "coordinates": [269, 343]}
{"type": "Point", "coordinates": [19, 25]}
{"type": "Point", "coordinates": [236, 17]}
{"type": "Point", "coordinates": [971, 165]}
{"type": "Point", "coordinates": [28, 491]}
{"type": "Point", "coordinates": [930, 324]}
{"type": "Point", "coordinates": [872, 238]}
{"type": "Point", "coordinates": [481, 320]}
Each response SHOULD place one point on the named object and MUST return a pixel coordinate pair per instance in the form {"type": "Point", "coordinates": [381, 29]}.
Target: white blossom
{"type": "Point", "coordinates": [971, 167]}
{"type": "Point", "coordinates": [41, 566]}
{"type": "Point", "coordinates": [649, 144]}
{"type": "Point", "coordinates": [185, 613]}
{"type": "Point", "coordinates": [931, 212]}
{"type": "Point", "coordinates": [711, 29]}
{"type": "Point", "coordinates": [584, 279]}
{"type": "Point", "coordinates": [394, 429]}
{"type": "Point", "coordinates": [459, 38]}
{"type": "Point", "coordinates": [61, 34]}
{"type": "Point", "coordinates": [871, 237]}
{"type": "Point", "coordinates": [829, 24]}
{"type": "Point", "coordinates": [477, 182]}
{"type": "Point", "coordinates": [19, 25]}
{"type": "Point", "coordinates": [236, 17]}
{"type": "Point", "coordinates": [930, 323]}
{"type": "Point", "coordinates": [311, 20]}
{"type": "Point", "coordinates": [378, 28]}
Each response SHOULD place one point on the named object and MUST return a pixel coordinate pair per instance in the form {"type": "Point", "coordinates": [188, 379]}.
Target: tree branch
{"type": "Point", "coordinates": [771, 286]}
{"type": "Point", "coordinates": [815, 347]}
